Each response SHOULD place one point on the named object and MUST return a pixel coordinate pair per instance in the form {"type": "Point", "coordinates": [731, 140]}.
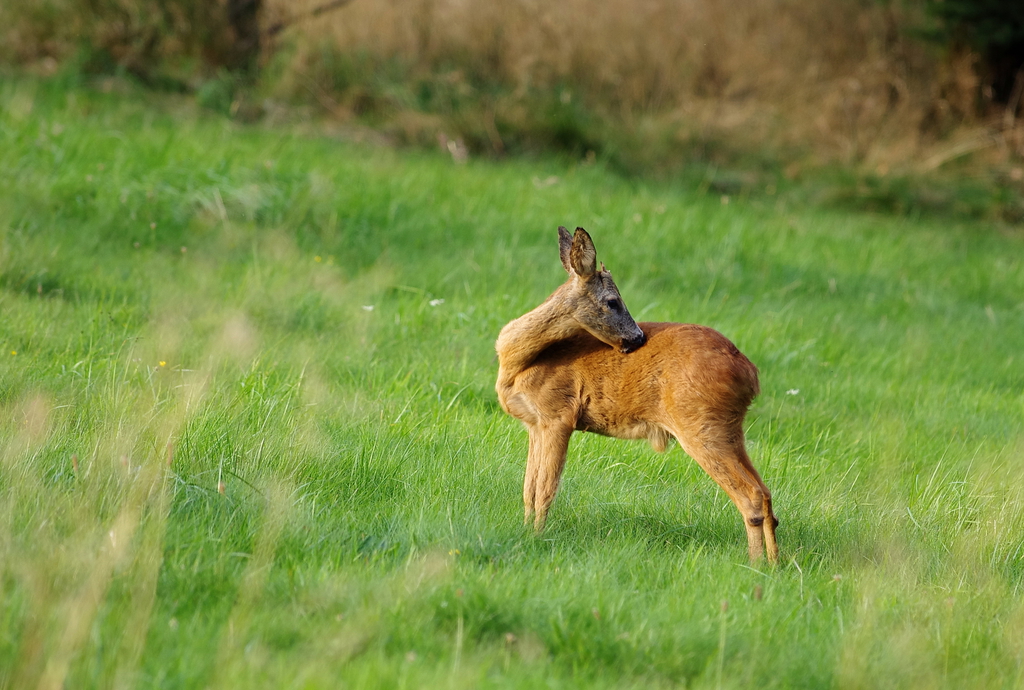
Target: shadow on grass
{"type": "Point", "coordinates": [829, 543]}
{"type": "Point", "coordinates": [622, 525]}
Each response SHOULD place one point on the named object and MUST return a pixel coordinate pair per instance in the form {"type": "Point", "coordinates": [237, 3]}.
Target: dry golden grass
{"type": "Point", "coordinates": [658, 81]}
{"type": "Point", "coordinates": [832, 82]}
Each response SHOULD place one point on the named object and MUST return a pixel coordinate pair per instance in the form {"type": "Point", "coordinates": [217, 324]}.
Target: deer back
{"type": "Point", "coordinates": [685, 374]}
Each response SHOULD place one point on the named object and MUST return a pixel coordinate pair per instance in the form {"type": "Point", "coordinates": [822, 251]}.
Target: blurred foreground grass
{"type": "Point", "coordinates": [249, 435]}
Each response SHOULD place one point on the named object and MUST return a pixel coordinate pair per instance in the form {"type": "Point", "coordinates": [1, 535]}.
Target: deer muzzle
{"type": "Point", "coordinates": [633, 343]}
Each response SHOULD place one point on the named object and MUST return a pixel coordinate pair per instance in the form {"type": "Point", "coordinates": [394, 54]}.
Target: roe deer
{"type": "Point", "coordinates": [579, 362]}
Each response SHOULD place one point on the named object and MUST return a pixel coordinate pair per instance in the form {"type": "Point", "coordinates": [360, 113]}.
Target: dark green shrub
{"type": "Point", "coordinates": [150, 39]}
{"type": "Point", "coordinates": [993, 28]}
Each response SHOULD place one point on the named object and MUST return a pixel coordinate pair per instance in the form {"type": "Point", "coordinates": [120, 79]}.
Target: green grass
{"type": "Point", "coordinates": [342, 506]}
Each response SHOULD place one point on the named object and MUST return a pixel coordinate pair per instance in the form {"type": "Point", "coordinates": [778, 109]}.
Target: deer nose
{"type": "Point", "coordinates": [634, 343]}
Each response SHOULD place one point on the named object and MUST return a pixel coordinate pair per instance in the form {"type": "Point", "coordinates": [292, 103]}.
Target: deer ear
{"type": "Point", "coordinates": [564, 245]}
{"type": "Point", "coordinates": [582, 255]}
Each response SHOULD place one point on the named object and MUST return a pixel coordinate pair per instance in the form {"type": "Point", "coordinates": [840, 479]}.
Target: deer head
{"type": "Point", "coordinates": [591, 297]}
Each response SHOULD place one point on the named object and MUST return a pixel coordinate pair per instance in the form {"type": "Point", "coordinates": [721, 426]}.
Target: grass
{"type": "Point", "coordinates": [244, 442]}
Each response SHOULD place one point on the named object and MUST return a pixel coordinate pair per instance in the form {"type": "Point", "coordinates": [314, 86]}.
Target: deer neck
{"type": "Point", "coordinates": [522, 339]}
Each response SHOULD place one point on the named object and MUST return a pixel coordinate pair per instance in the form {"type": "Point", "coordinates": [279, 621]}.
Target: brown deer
{"type": "Point", "coordinates": [579, 362]}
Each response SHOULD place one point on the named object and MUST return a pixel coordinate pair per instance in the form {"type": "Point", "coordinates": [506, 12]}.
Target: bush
{"type": "Point", "coordinates": [143, 37]}
{"type": "Point", "coordinates": [994, 29]}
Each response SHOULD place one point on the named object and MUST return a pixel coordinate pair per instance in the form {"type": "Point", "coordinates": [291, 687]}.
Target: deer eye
{"type": "Point", "coordinates": [614, 304]}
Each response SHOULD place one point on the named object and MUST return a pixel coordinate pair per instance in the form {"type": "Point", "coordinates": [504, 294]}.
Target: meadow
{"type": "Point", "coordinates": [250, 439]}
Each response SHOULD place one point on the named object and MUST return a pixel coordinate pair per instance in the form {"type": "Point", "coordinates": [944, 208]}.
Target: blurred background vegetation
{"type": "Point", "coordinates": [901, 106]}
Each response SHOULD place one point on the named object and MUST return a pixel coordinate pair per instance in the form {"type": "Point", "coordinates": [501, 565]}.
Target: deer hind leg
{"type": "Point", "coordinates": [770, 521]}
{"type": "Point", "coordinates": [544, 465]}
{"type": "Point", "coordinates": [723, 456]}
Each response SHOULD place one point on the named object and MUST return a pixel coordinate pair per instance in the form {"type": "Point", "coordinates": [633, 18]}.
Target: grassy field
{"type": "Point", "coordinates": [250, 439]}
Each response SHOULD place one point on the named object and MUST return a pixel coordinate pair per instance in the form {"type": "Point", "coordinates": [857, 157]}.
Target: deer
{"type": "Point", "coordinates": [579, 362]}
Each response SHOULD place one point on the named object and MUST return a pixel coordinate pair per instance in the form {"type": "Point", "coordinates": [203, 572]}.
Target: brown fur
{"type": "Point", "coordinates": [689, 382]}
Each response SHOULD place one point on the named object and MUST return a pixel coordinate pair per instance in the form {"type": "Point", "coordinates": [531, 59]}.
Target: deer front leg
{"type": "Point", "coordinates": [530, 482]}
{"type": "Point", "coordinates": [548, 446]}
{"type": "Point", "coordinates": [770, 523]}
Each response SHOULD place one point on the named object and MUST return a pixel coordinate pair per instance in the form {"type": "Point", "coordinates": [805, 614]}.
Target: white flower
{"type": "Point", "coordinates": [435, 302]}
{"type": "Point", "coordinates": [367, 307]}
{"type": "Point", "coordinates": [793, 391]}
